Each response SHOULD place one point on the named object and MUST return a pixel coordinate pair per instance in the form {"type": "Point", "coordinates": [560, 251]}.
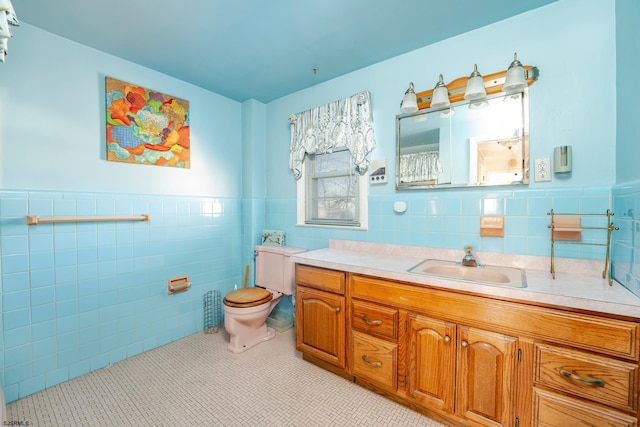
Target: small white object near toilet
{"type": "Point", "coordinates": [246, 310]}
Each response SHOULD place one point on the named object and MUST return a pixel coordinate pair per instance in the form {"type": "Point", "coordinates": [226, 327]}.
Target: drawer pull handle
{"type": "Point", "coordinates": [447, 339]}
{"type": "Point", "coordinates": [464, 344]}
{"type": "Point", "coordinates": [369, 362]}
{"type": "Point", "coordinates": [592, 381]}
{"type": "Point", "coordinates": [371, 322]}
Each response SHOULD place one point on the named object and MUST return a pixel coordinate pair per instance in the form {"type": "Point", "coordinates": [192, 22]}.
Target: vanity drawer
{"type": "Point", "coordinates": [375, 319]}
{"type": "Point", "coordinates": [594, 377]}
{"type": "Point", "coordinates": [555, 410]}
{"type": "Point", "coordinates": [375, 360]}
{"type": "Point", "coordinates": [320, 278]}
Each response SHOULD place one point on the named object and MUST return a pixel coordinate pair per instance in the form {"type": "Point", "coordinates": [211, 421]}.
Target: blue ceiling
{"type": "Point", "coordinates": [262, 49]}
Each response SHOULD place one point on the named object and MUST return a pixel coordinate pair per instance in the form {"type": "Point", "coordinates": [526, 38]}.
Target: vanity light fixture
{"type": "Point", "coordinates": [490, 84]}
{"type": "Point", "coordinates": [475, 85]}
{"type": "Point", "coordinates": [409, 103]}
{"type": "Point", "coordinates": [515, 81]}
{"type": "Point", "coordinates": [440, 95]}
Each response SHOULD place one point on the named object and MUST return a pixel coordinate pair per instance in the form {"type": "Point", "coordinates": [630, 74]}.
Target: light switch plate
{"type": "Point", "coordinates": [542, 170]}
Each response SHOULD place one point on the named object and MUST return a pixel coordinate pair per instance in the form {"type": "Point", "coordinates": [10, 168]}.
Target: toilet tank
{"type": "Point", "coordinates": [274, 269]}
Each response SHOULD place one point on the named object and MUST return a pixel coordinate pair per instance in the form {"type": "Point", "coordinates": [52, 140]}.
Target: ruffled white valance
{"type": "Point", "coordinates": [347, 123]}
{"type": "Point", "coordinates": [7, 16]}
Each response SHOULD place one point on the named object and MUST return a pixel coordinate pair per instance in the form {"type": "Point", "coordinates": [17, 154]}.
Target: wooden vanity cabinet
{"type": "Point", "coordinates": [320, 314]}
{"type": "Point", "coordinates": [473, 360]}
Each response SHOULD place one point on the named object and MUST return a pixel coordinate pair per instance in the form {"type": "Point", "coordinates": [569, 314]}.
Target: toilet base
{"type": "Point", "coordinates": [235, 346]}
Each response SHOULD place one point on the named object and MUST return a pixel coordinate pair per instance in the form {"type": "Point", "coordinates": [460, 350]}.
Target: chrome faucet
{"type": "Point", "coordinates": [469, 260]}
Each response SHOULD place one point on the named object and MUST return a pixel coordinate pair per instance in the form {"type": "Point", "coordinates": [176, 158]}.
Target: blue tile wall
{"type": "Point", "coordinates": [79, 296]}
{"type": "Point", "coordinates": [625, 242]}
{"type": "Point", "coordinates": [450, 219]}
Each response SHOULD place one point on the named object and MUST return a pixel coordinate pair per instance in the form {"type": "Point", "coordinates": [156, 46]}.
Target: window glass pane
{"type": "Point", "coordinates": [333, 186]}
{"type": "Point", "coordinates": [335, 198]}
{"type": "Point", "coordinates": [336, 161]}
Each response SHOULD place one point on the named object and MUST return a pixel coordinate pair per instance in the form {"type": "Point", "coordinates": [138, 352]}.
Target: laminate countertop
{"type": "Point", "coordinates": [567, 290]}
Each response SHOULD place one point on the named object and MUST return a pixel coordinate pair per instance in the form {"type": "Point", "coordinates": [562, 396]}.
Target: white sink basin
{"type": "Point", "coordinates": [487, 274]}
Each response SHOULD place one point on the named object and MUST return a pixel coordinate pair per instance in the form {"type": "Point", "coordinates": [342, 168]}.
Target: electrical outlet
{"type": "Point", "coordinates": [542, 170]}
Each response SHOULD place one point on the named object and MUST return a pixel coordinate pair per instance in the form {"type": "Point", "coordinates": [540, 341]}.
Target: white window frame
{"type": "Point", "coordinates": [302, 202]}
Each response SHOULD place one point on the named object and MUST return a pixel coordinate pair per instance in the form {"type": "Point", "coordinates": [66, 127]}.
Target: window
{"type": "Point", "coordinates": [331, 193]}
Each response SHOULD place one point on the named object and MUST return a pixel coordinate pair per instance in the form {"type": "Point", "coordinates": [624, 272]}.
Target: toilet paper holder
{"type": "Point", "coordinates": [178, 284]}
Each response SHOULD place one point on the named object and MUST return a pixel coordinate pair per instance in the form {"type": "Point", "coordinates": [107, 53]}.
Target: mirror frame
{"type": "Point", "coordinates": [422, 185]}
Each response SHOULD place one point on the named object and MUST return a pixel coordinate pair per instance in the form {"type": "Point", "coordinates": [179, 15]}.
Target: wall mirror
{"type": "Point", "coordinates": [477, 143]}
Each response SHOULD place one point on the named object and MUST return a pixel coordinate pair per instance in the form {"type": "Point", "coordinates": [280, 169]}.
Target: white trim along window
{"type": "Point", "coordinates": [329, 157]}
{"type": "Point", "coordinates": [331, 193]}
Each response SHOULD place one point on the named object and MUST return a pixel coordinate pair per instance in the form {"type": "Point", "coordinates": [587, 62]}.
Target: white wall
{"type": "Point", "coordinates": [52, 131]}
{"type": "Point", "coordinates": [572, 42]}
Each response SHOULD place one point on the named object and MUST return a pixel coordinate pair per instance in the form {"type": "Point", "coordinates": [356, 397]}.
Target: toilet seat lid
{"type": "Point", "coordinates": [247, 297]}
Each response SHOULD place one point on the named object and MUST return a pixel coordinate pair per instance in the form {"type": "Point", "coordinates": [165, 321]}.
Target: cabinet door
{"type": "Point", "coordinates": [432, 355]}
{"type": "Point", "coordinates": [486, 376]}
{"type": "Point", "coordinates": [320, 329]}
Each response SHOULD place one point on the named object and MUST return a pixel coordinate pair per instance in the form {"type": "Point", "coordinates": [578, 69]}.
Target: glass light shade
{"type": "Point", "coordinates": [475, 86]}
{"type": "Point", "coordinates": [515, 81]}
{"type": "Point", "coordinates": [409, 102]}
{"type": "Point", "coordinates": [440, 97]}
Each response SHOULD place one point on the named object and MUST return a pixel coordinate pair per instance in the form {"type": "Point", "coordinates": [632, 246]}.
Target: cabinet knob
{"type": "Point", "coordinates": [464, 344]}
{"type": "Point", "coordinates": [371, 322]}
{"type": "Point", "coordinates": [337, 309]}
{"type": "Point", "coordinates": [592, 381]}
{"type": "Point", "coordinates": [369, 362]}
{"type": "Point", "coordinates": [447, 339]}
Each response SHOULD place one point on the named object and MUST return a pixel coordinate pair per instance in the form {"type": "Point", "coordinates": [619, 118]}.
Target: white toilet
{"type": "Point", "coordinates": [246, 310]}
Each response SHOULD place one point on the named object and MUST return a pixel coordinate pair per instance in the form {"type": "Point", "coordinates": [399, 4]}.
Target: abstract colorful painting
{"type": "Point", "coordinates": [145, 126]}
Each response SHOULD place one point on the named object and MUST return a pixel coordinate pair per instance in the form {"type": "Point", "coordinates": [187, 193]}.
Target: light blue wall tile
{"type": "Point", "coordinates": [12, 245]}
{"type": "Point", "coordinates": [17, 337]}
{"type": "Point", "coordinates": [65, 258]}
{"type": "Point", "coordinates": [66, 307]}
{"type": "Point", "coordinates": [594, 204]}
{"type": "Point", "coordinates": [56, 377]}
{"type": "Point", "coordinates": [66, 274]}
{"type": "Point", "coordinates": [43, 313]}
{"type": "Point", "coordinates": [40, 242]}
{"type": "Point", "coordinates": [566, 204]}
{"type": "Point", "coordinates": [42, 365]}
{"type": "Point", "coordinates": [14, 356]}
{"type": "Point", "coordinates": [44, 277]}
{"type": "Point", "coordinates": [64, 207]}
{"type": "Point", "coordinates": [15, 281]}
{"type": "Point", "coordinates": [515, 206]}
{"type": "Point", "coordinates": [41, 260]}
{"type": "Point", "coordinates": [15, 300]}
{"type": "Point", "coordinates": [80, 368]}
{"type": "Point", "coordinates": [18, 373]}
{"type": "Point", "coordinates": [43, 330]}
{"type": "Point", "coordinates": [14, 207]}
{"type": "Point", "coordinates": [45, 347]}
{"type": "Point", "coordinates": [15, 263]}
{"type": "Point", "coordinates": [538, 206]}
{"type": "Point", "coordinates": [42, 295]}
{"type": "Point", "coordinates": [16, 318]}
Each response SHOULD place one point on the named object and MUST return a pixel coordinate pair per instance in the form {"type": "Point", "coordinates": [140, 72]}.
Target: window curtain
{"type": "Point", "coordinates": [347, 123]}
{"type": "Point", "coordinates": [423, 166]}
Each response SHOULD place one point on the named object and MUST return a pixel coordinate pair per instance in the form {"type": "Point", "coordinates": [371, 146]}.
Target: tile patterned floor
{"type": "Point", "coordinates": [196, 382]}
